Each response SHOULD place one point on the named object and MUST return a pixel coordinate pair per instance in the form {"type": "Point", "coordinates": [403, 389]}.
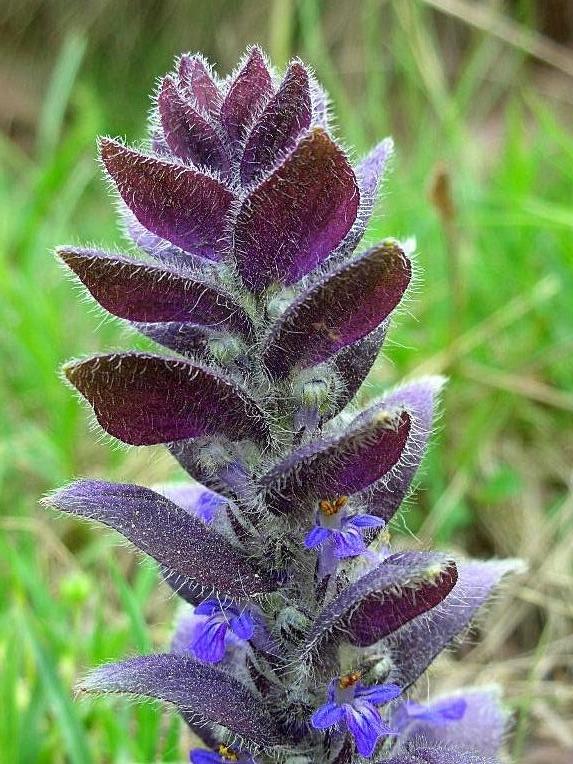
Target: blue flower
{"type": "Point", "coordinates": [225, 621]}
{"type": "Point", "coordinates": [339, 535]}
{"type": "Point", "coordinates": [353, 705]}
{"type": "Point", "coordinates": [224, 754]}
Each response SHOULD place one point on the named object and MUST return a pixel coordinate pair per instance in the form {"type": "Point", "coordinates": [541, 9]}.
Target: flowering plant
{"type": "Point", "coordinates": [304, 631]}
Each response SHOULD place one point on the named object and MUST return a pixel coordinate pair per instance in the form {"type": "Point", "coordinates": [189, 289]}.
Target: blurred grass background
{"type": "Point", "coordinates": [478, 96]}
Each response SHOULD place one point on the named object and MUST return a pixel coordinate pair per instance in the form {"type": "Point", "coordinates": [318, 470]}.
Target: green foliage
{"type": "Point", "coordinates": [493, 308]}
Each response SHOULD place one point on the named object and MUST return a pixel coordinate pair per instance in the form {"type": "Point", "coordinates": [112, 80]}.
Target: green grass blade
{"type": "Point", "coordinates": [59, 92]}
{"type": "Point", "coordinates": [61, 703]}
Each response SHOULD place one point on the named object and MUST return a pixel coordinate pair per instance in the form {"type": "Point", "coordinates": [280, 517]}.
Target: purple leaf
{"type": "Point", "coordinates": [196, 80]}
{"type": "Point", "coordinates": [184, 338]}
{"type": "Point", "coordinates": [399, 589]}
{"type": "Point", "coordinates": [340, 466]}
{"type": "Point", "coordinates": [287, 114]}
{"type": "Point", "coordinates": [371, 169]}
{"type": "Point", "coordinates": [296, 217]}
{"type": "Point", "coordinates": [138, 291]}
{"type": "Point", "coordinates": [179, 542]}
{"type": "Point", "coordinates": [419, 642]}
{"type": "Point", "coordinates": [481, 727]}
{"type": "Point", "coordinates": [344, 307]}
{"type": "Point", "coordinates": [368, 175]}
{"type": "Point", "coordinates": [189, 136]}
{"type": "Point", "coordinates": [247, 96]}
{"type": "Point", "coordinates": [354, 362]}
{"type": "Point", "coordinates": [145, 399]}
{"type": "Point", "coordinates": [154, 245]}
{"type": "Point", "coordinates": [177, 203]}
{"type": "Point", "coordinates": [418, 398]}
{"type": "Point", "coordinates": [206, 692]}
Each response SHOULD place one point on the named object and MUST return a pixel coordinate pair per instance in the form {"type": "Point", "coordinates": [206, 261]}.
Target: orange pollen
{"type": "Point", "coordinates": [349, 679]}
{"type": "Point", "coordinates": [227, 753]}
{"type": "Point", "coordinates": [331, 507]}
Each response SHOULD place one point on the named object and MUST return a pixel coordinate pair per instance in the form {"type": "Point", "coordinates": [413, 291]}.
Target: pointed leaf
{"type": "Point", "coordinates": [344, 307]}
{"type": "Point", "coordinates": [208, 693]}
{"type": "Point", "coordinates": [247, 96]}
{"type": "Point", "coordinates": [353, 364]}
{"type": "Point", "coordinates": [340, 466]}
{"type": "Point", "coordinates": [153, 245]}
{"type": "Point", "coordinates": [369, 174]}
{"type": "Point", "coordinates": [184, 338]}
{"type": "Point", "coordinates": [287, 114]}
{"type": "Point", "coordinates": [296, 217]}
{"type": "Point", "coordinates": [138, 291]}
{"type": "Point", "coordinates": [145, 399]}
{"type": "Point", "coordinates": [419, 642]}
{"type": "Point", "coordinates": [179, 542]}
{"type": "Point", "coordinates": [399, 589]}
{"type": "Point", "coordinates": [177, 203]}
{"type": "Point", "coordinates": [371, 169]}
{"type": "Point", "coordinates": [189, 135]}
{"type": "Point", "coordinates": [195, 78]}
{"type": "Point", "coordinates": [418, 398]}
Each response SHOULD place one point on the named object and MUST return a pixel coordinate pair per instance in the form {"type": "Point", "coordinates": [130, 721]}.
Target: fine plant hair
{"type": "Point", "coordinates": [302, 633]}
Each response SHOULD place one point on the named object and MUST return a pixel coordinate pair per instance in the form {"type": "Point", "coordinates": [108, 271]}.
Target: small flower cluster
{"type": "Point", "coordinates": [303, 632]}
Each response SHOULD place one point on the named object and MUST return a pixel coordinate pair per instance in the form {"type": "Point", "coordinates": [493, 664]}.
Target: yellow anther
{"type": "Point", "coordinates": [331, 507]}
{"type": "Point", "coordinates": [227, 753]}
{"type": "Point", "coordinates": [348, 680]}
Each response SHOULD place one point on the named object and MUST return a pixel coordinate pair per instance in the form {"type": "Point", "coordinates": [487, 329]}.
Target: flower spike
{"type": "Point", "coordinates": [246, 214]}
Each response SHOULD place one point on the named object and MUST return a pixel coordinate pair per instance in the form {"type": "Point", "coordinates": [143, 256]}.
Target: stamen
{"type": "Point", "coordinates": [331, 507]}
{"type": "Point", "coordinates": [349, 680]}
{"type": "Point", "coordinates": [227, 753]}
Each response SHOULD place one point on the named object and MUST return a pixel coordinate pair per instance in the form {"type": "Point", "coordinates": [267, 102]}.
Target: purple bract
{"type": "Point", "coordinates": [247, 215]}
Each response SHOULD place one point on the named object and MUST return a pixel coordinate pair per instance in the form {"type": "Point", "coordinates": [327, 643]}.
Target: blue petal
{"type": "Point", "coordinates": [348, 543]}
{"type": "Point", "coordinates": [378, 693]}
{"type": "Point", "coordinates": [208, 607]}
{"type": "Point", "coordinates": [316, 537]}
{"type": "Point", "coordinates": [365, 521]}
{"type": "Point", "coordinates": [243, 625]}
{"type": "Point", "coordinates": [200, 756]}
{"type": "Point", "coordinates": [327, 716]}
{"type": "Point", "coordinates": [365, 725]}
{"type": "Point", "coordinates": [327, 560]}
{"type": "Point", "coordinates": [209, 642]}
